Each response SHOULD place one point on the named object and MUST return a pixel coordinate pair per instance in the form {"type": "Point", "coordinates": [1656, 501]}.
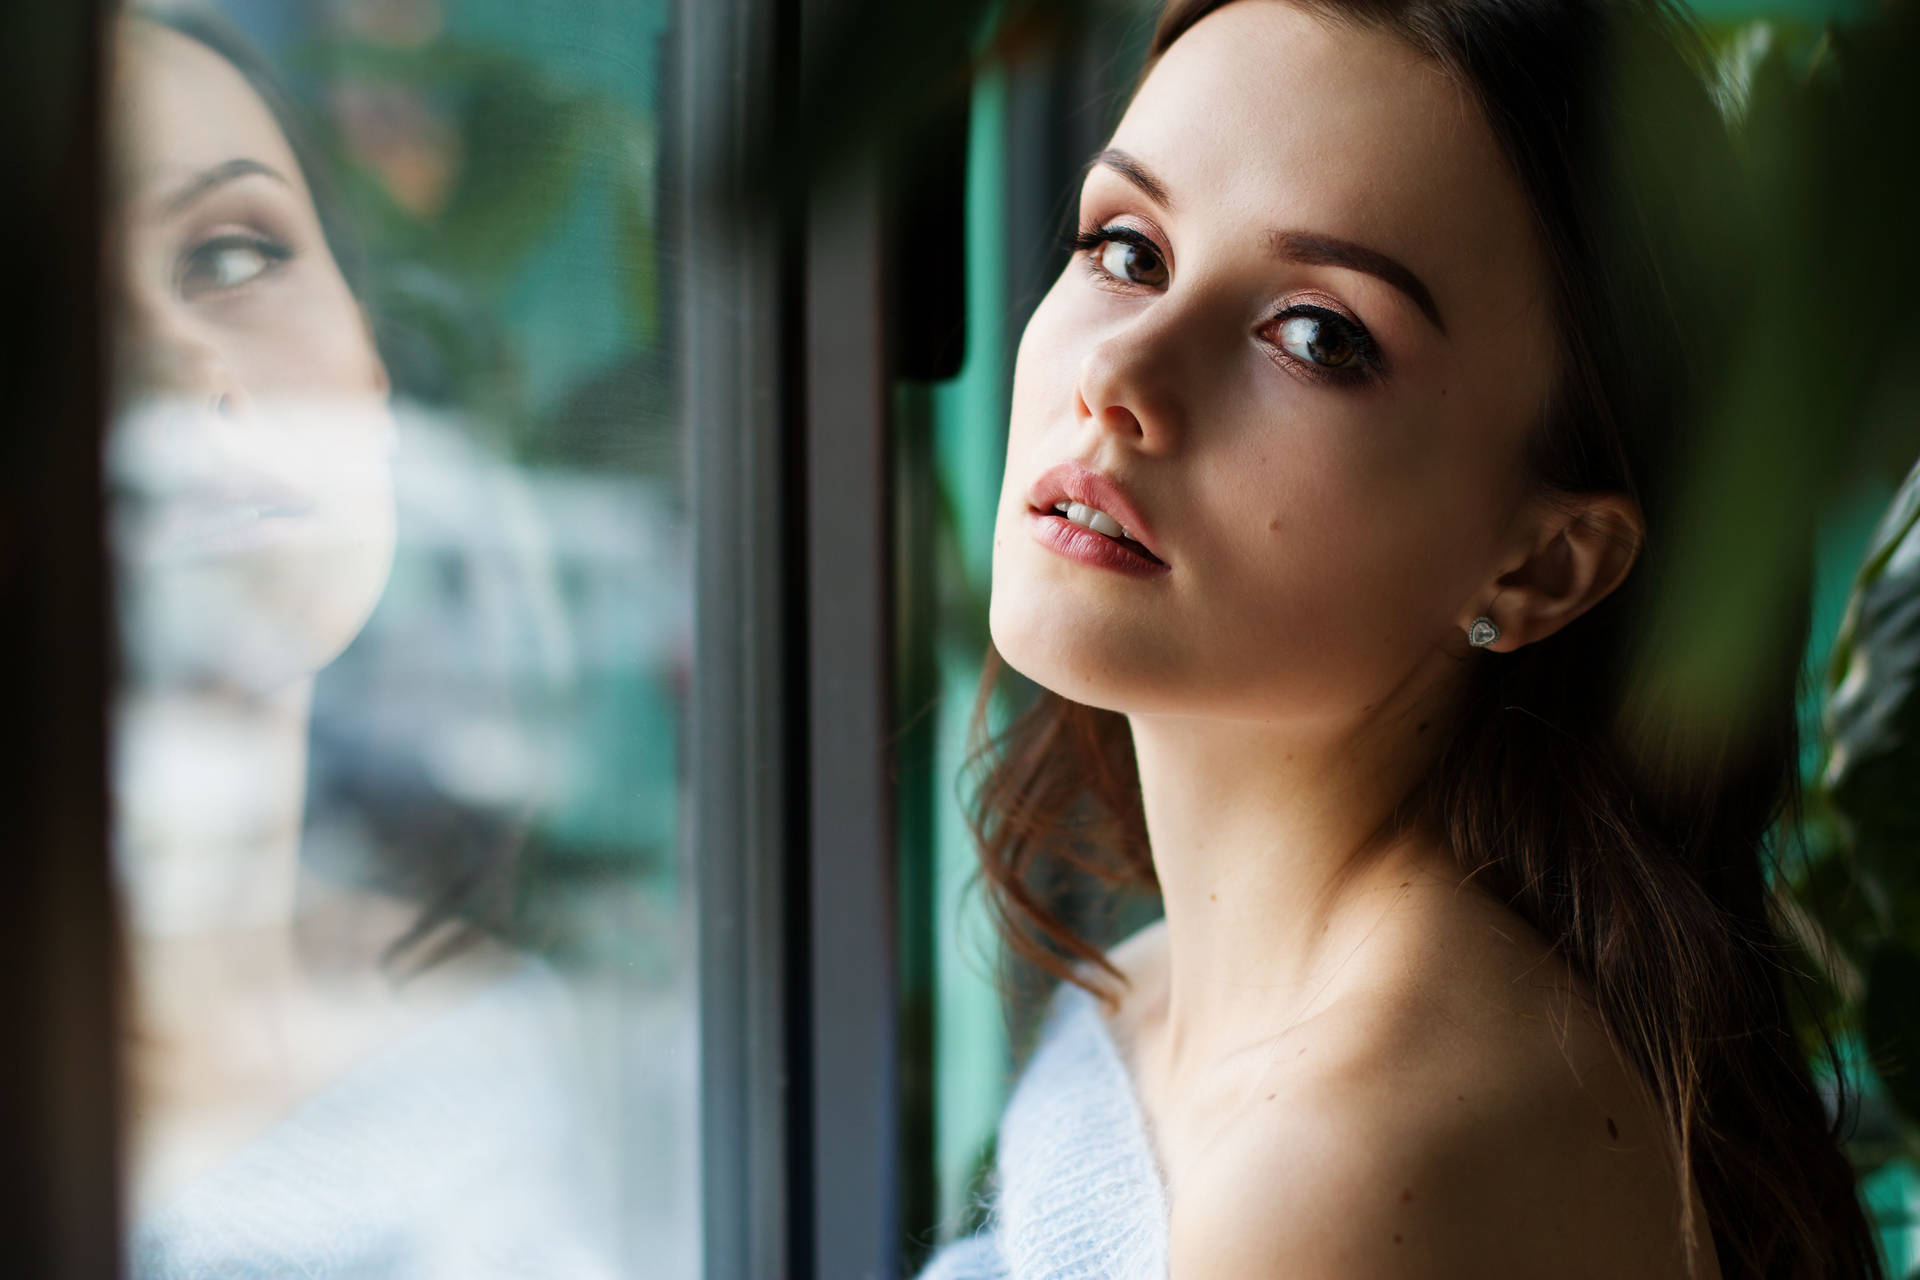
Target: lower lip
{"type": "Point", "coordinates": [1077, 542]}
{"type": "Point", "coordinates": [201, 533]}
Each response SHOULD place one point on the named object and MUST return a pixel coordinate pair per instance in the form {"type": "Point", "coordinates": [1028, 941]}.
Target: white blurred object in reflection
{"type": "Point", "coordinates": [251, 547]}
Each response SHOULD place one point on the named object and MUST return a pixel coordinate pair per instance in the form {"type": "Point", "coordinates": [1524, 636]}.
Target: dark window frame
{"type": "Point", "coordinates": [60, 1061]}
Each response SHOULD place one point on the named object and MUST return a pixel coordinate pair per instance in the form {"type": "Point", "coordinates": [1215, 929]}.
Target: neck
{"type": "Point", "coordinates": [1276, 865]}
{"type": "Point", "coordinates": [210, 790]}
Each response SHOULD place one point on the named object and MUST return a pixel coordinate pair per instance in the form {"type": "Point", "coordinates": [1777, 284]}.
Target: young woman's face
{"type": "Point", "coordinates": [1305, 338]}
{"type": "Point", "coordinates": [251, 452]}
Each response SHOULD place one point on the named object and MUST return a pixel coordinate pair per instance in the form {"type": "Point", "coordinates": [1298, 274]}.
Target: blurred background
{"type": "Point", "coordinates": [697, 324]}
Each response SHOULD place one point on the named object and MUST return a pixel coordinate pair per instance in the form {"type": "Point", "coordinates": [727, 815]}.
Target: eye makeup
{"type": "Point", "coordinates": [228, 260]}
{"type": "Point", "coordinates": [1319, 341]}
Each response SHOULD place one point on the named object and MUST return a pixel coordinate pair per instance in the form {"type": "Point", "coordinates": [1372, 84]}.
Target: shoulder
{"type": "Point", "coordinates": [1419, 1152]}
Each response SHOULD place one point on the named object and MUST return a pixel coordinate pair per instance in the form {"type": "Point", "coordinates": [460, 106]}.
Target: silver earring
{"type": "Point", "coordinates": [1483, 632]}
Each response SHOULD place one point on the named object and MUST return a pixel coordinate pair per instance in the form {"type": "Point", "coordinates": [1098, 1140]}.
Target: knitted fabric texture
{"type": "Point", "coordinates": [1078, 1194]}
{"type": "Point", "coordinates": [451, 1155]}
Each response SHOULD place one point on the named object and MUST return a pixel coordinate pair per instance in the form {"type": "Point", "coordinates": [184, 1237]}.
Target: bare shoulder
{"type": "Point", "coordinates": [1467, 1139]}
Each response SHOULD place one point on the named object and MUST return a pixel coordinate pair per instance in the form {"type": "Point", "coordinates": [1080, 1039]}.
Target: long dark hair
{"type": "Point", "coordinates": [1636, 843]}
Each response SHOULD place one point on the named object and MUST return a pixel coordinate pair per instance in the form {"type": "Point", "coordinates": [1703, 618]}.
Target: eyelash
{"type": "Point", "coordinates": [273, 251]}
{"type": "Point", "coordinates": [1367, 365]}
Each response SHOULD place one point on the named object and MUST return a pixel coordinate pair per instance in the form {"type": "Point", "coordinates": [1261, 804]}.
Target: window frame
{"type": "Point", "coordinates": [60, 1062]}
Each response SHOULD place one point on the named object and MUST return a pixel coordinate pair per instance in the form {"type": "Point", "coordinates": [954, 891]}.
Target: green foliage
{"type": "Point", "coordinates": [1825, 396]}
{"type": "Point", "coordinates": [1865, 896]}
{"type": "Point", "coordinates": [526, 153]}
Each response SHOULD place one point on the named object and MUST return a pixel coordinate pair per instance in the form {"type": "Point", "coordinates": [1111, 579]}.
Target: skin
{"type": "Point", "coordinates": [1352, 1064]}
{"type": "Point", "coordinates": [247, 379]}
{"type": "Point", "coordinates": [254, 523]}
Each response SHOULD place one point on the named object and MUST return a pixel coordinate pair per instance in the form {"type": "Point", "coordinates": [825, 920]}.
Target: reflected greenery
{"type": "Point", "coordinates": [506, 203]}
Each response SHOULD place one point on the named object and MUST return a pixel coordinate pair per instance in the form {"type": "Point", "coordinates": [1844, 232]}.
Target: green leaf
{"type": "Point", "coordinates": [1891, 1023]}
{"type": "Point", "coordinates": [1873, 703]}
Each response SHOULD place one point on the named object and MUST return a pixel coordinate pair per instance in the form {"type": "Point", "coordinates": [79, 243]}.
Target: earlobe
{"type": "Point", "coordinates": [1584, 553]}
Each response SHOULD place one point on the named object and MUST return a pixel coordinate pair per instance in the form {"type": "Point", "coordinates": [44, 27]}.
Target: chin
{"type": "Point", "coordinates": [1034, 636]}
{"type": "Point", "coordinates": [250, 625]}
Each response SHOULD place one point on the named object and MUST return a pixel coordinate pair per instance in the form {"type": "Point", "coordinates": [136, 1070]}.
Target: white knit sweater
{"type": "Point", "coordinates": [453, 1154]}
{"type": "Point", "coordinates": [1077, 1192]}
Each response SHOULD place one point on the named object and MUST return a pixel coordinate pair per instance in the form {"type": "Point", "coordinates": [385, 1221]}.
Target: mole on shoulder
{"type": "Point", "coordinates": [1613, 1131]}
{"type": "Point", "coordinates": [1406, 1194]}
{"type": "Point", "coordinates": [1396, 1237]}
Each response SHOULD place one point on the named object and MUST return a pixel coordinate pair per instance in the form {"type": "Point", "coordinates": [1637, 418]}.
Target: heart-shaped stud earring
{"type": "Point", "coordinates": [1483, 632]}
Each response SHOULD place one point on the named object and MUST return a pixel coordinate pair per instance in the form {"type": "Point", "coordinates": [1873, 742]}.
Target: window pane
{"type": "Point", "coordinates": [399, 524]}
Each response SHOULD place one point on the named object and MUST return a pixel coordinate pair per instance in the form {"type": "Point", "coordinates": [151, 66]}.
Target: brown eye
{"type": "Point", "coordinates": [1315, 339]}
{"type": "Point", "coordinates": [1132, 262]}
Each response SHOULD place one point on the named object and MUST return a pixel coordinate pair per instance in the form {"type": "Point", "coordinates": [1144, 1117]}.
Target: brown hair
{"type": "Point", "coordinates": [1635, 841]}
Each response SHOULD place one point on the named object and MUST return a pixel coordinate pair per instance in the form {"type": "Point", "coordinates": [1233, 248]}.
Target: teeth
{"type": "Point", "coordinates": [1094, 519]}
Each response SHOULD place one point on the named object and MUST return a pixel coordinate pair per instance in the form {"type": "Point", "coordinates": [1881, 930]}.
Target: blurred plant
{"type": "Point", "coordinates": [1867, 903]}
{"type": "Point", "coordinates": [1821, 398]}
{"type": "Point", "coordinates": [457, 164]}
{"type": "Point", "coordinates": [507, 218]}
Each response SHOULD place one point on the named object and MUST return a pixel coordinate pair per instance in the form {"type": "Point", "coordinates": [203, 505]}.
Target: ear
{"type": "Point", "coordinates": [1581, 547]}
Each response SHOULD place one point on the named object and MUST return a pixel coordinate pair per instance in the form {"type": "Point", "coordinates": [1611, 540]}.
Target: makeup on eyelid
{"type": "Point", "coordinates": [1363, 362]}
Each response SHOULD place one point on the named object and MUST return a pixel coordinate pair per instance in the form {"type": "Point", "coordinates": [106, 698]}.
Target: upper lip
{"type": "Point", "coordinates": [1072, 482]}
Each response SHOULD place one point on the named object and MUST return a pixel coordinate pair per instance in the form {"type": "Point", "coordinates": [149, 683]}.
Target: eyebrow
{"type": "Point", "coordinates": [219, 175]}
{"type": "Point", "coordinates": [1314, 249]}
{"type": "Point", "coordinates": [1308, 247]}
{"type": "Point", "coordinates": [1136, 173]}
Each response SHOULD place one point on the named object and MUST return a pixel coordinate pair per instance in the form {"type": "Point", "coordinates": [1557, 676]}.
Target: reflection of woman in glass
{"type": "Point", "coordinates": [1341, 453]}
{"type": "Point", "coordinates": [293, 1107]}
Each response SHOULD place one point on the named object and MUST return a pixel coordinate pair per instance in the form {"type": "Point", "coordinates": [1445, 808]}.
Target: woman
{"type": "Point", "coordinates": [295, 1107]}
{"type": "Point", "coordinates": [1344, 457]}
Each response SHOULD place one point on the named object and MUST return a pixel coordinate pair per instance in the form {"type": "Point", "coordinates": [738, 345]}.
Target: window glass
{"type": "Point", "coordinates": [402, 580]}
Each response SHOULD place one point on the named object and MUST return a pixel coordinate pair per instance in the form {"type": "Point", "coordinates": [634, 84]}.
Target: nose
{"type": "Point", "coordinates": [1125, 385]}
{"type": "Point", "coordinates": [162, 353]}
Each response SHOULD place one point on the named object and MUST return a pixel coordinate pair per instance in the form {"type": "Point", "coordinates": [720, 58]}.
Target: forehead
{"type": "Point", "coordinates": [1264, 115]}
{"type": "Point", "coordinates": [181, 108]}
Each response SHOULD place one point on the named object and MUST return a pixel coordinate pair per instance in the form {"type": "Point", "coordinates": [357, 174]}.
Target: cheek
{"type": "Point", "coordinates": [1044, 369]}
{"type": "Point", "coordinates": [1350, 521]}
{"type": "Point", "coordinates": [308, 339]}
{"type": "Point", "coordinates": [1040, 410]}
